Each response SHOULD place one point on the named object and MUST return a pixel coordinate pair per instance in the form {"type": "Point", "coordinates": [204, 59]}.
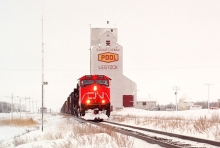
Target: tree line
{"type": "Point", "coordinates": [5, 107]}
{"type": "Point", "coordinates": [204, 105]}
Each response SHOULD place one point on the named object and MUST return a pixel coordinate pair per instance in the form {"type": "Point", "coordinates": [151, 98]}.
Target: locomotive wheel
{"type": "Point", "coordinates": [71, 112]}
{"type": "Point", "coordinates": [83, 113]}
{"type": "Point", "coordinates": [77, 112]}
{"type": "Point", "coordinates": [108, 112]}
{"type": "Point", "coordinates": [74, 113]}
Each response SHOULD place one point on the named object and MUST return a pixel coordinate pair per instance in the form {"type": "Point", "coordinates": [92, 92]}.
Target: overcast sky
{"type": "Point", "coordinates": [165, 43]}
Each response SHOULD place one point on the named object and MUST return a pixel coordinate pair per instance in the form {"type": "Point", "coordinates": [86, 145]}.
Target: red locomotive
{"type": "Point", "coordinates": [92, 92]}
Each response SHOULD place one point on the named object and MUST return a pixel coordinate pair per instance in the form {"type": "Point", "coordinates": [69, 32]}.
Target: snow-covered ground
{"type": "Point", "coordinates": [201, 123]}
{"type": "Point", "coordinates": [64, 131]}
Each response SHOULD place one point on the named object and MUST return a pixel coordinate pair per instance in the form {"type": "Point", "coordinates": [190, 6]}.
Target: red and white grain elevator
{"type": "Point", "coordinates": [106, 57]}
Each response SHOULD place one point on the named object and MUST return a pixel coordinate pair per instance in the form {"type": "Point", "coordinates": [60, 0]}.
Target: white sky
{"type": "Point", "coordinates": [166, 43]}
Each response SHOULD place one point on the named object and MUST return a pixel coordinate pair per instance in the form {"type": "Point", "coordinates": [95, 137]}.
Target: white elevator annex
{"type": "Point", "coordinates": [106, 57]}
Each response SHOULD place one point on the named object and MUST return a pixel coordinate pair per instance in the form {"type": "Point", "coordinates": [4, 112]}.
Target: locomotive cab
{"type": "Point", "coordinates": [94, 94]}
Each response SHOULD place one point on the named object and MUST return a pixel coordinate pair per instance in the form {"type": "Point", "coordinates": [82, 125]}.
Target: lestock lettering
{"type": "Point", "coordinates": [108, 67]}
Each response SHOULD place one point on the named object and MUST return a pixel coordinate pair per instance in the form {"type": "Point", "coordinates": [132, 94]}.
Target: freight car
{"type": "Point", "coordinates": [91, 93]}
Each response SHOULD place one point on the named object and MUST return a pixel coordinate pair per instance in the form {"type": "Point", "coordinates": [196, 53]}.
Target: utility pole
{"type": "Point", "coordinates": [176, 88]}
{"type": "Point", "coordinates": [208, 92]}
{"type": "Point", "coordinates": [29, 104]}
{"type": "Point", "coordinates": [90, 62]}
{"type": "Point", "coordinates": [20, 106]}
{"type": "Point", "coordinates": [42, 70]}
{"type": "Point", "coordinates": [33, 104]}
{"type": "Point", "coordinates": [26, 105]}
{"type": "Point", "coordinates": [36, 105]}
{"type": "Point", "coordinates": [43, 82]}
{"type": "Point", "coordinates": [2, 108]}
{"type": "Point", "coordinates": [12, 105]}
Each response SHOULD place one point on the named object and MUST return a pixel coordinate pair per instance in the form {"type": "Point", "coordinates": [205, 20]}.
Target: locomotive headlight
{"type": "Point", "coordinates": [88, 101]}
{"type": "Point", "coordinates": [95, 88]}
{"type": "Point", "coordinates": [103, 101]}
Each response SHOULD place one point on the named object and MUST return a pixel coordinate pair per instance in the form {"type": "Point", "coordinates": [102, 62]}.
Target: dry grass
{"type": "Point", "coordinates": [23, 122]}
{"type": "Point", "coordinates": [80, 135]}
{"type": "Point", "coordinates": [84, 134]}
{"type": "Point", "coordinates": [19, 141]}
{"type": "Point", "coordinates": [17, 122]}
{"type": "Point", "coordinates": [114, 138]}
{"type": "Point", "coordinates": [202, 125]}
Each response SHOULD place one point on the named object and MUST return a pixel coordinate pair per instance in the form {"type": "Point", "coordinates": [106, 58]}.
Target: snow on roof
{"type": "Point", "coordinates": [146, 99]}
{"type": "Point", "coordinates": [188, 100]}
{"type": "Point", "coordinates": [185, 98]}
{"type": "Point", "coordinates": [102, 25]}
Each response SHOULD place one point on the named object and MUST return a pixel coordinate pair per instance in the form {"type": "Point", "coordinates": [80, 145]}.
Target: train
{"type": "Point", "coordinates": [92, 93]}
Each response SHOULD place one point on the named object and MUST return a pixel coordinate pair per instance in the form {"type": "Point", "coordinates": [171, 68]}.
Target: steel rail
{"type": "Point", "coordinates": [215, 143]}
{"type": "Point", "coordinates": [162, 142]}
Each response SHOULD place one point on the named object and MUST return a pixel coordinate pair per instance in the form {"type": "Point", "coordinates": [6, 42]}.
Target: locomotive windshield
{"type": "Point", "coordinates": [87, 82]}
{"type": "Point", "coordinates": [102, 82]}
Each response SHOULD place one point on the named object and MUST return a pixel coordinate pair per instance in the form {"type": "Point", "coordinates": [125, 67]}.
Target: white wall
{"type": "Point", "coordinates": [149, 105]}
{"type": "Point", "coordinates": [194, 107]}
{"type": "Point", "coordinates": [108, 60]}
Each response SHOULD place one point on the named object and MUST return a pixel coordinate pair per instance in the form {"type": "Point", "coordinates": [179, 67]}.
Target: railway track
{"type": "Point", "coordinates": [140, 133]}
{"type": "Point", "coordinates": [198, 142]}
